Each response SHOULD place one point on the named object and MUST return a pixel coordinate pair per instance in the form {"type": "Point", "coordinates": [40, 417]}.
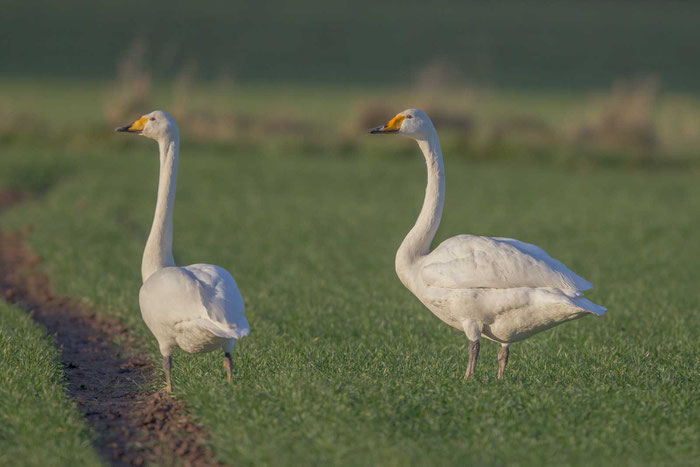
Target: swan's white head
{"type": "Point", "coordinates": [413, 123]}
{"type": "Point", "coordinates": [156, 125]}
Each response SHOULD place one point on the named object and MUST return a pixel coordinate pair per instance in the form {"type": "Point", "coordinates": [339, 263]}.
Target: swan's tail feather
{"type": "Point", "coordinates": [233, 332]}
{"type": "Point", "coordinates": [588, 305]}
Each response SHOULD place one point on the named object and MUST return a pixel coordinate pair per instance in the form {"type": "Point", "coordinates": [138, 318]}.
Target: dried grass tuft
{"type": "Point", "coordinates": [438, 75]}
{"type": "Point", "coordinates": [625, 118]}
{"type": "Point", "coordinates": [131, 91]}
{"type": "Point", "coordinates": [182, 90]}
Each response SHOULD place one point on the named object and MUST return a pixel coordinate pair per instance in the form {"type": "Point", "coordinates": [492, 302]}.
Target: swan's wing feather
{"type": "Point", "coordinates": [220, 297]}
{"type": "Point", "coordinates": [579, 282]}
{"type": "Point", "coordinates": [469, 261]}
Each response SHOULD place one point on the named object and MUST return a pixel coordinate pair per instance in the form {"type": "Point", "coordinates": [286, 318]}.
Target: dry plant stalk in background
{"type": "Point", "coordinates": [130, 93]}
{"type": "Point", "coordinates": [182, 90]}
{"type": "Point", "coordinates": [625, 118]}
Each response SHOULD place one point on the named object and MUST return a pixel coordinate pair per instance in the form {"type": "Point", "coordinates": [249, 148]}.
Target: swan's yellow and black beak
{"type": "Point", "coordinates": [393, 126]}
{"type": "Point", "coordinates": [136, 127]}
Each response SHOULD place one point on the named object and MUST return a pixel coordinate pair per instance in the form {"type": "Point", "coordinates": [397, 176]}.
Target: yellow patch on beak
{"type": "Point", "coordinates": [136, 127]}
{"type": "Point", "coordinates": [138, 124]}
{"type": "Point", "coordinates": [395, 123]}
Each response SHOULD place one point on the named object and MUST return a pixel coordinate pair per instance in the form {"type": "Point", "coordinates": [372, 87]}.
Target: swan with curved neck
{"type": "Point", "coordinates": [499, 288]}
{"type": "Point", "coordinates": [198, 307]}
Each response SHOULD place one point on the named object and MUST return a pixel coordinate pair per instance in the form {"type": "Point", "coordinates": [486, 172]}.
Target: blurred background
{"type": "Point", "coordinates": [613, 81]}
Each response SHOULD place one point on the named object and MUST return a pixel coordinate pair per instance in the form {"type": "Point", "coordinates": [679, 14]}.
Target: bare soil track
{"type": "Point", "coordinates": [134, 426]}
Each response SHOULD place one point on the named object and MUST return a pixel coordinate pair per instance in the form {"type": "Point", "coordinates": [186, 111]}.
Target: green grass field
{"type": "Point", "coordinates": [38, 425]}
{"type": "Point", "coordinates": [575, 127]}
{"type": "Point", "coordinates": [345, 366]}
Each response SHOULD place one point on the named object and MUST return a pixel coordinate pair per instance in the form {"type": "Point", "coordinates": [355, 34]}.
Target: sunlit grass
{"type": "Point", "coordinates": [343, 365]}
{"type": "Point", "coordinates": [38, 425]}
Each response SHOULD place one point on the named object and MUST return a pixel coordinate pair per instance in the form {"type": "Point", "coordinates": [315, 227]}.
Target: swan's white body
{"type": "Point", "coordinates": [199, 307]}
{"type": "Point", "coordinates": [499, 288]}
{"type": "Point", "coordinates": [511, 289]}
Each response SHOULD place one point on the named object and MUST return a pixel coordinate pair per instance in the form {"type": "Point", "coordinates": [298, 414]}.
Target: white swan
{"type": "Point", "coordinates": [499, 288]}
{"type": "Point", "coordinates": [199, 307]}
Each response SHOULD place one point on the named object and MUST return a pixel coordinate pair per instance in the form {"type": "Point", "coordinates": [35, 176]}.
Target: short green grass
{"type": "Point", "coordinates": [38, 425]}
{"type": "Point", "coordinates": [343, 365]}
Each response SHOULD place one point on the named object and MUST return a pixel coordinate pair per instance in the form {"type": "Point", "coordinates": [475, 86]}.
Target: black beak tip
{"type": "Point", "coordinates": [122, 128]}
{"type": "Point", "coordinates": [374, 131]}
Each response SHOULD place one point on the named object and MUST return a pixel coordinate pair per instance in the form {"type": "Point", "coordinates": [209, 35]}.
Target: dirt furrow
{"type": "Point", "coordinates": [134, 426]}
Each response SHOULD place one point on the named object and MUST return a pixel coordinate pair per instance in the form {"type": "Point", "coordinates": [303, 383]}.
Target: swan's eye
{"type": "Point", "coordinates": [153, 119]}
{"type": "Point", "coordinates": [409, 116]}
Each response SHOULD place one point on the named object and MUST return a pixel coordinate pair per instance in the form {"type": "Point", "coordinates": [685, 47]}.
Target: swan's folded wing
{"type": "Point", "coordinates": [469, 261]}
{"type": "Point", "coordinates": [221, 298]}
{"type": "Point", "coordinates": [578, 282]}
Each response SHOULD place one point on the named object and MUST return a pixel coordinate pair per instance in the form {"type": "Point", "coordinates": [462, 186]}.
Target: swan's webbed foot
{"type": "Point", "coordinates": [503, 359]}
{"type": "Point", "coordinates": [167, 366]}
{"type": "Point", "coordinates": [473, 357]}
{"type": "Point", "coordinates": [228, 364]}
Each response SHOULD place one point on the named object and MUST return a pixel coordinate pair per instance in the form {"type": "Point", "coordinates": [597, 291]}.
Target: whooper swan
{"type": "Point", "coordinates": [199, 307]}
{"type": "Point", "coordinates": [499, 288]}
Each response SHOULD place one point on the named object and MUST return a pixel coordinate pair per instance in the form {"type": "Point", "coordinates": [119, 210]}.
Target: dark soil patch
{"type": "Point", "coordinates": [135, 427]}
{"type": "Point", "coordinates": [10, 197]}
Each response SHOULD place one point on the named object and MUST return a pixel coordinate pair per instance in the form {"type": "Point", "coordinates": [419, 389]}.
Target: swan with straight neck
{"type": "Point", "coordinates": [499, 288]}
{"type": "Point", "coordinates": [198, 307]}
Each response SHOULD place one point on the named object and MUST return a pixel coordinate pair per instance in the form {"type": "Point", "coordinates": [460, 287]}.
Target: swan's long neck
{"type": "Point", "coordinates": [159, 247]}
{"type": "Point", "coordinates": [417, 242]}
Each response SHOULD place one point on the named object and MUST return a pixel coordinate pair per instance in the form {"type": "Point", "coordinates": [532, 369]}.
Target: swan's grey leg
{"type": "Point", "coordinates": [472, 329]}
{"type": "Point", "coordinates": [473, 357]}
{"type": "Point", "coordinates": [167, 366]}
{"type": "Point", "coordinates": [227, 346]}
{"type": "Point", "coordinates": [503, 359]}
{"type": "Point", "coordinates": [228, 364]}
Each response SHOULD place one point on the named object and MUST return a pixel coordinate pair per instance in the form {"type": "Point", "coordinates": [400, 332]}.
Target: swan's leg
{"type": "Point", "coordinates": [503, 359]}
{"type": "Point", "coordinates": [472, 329]}
{"type": "Point", "coordinates": [473, 357]}
{"type": "Point", "coordinates": [228, 364]}
{"type": "Point", "coordinates": [167, 366]}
